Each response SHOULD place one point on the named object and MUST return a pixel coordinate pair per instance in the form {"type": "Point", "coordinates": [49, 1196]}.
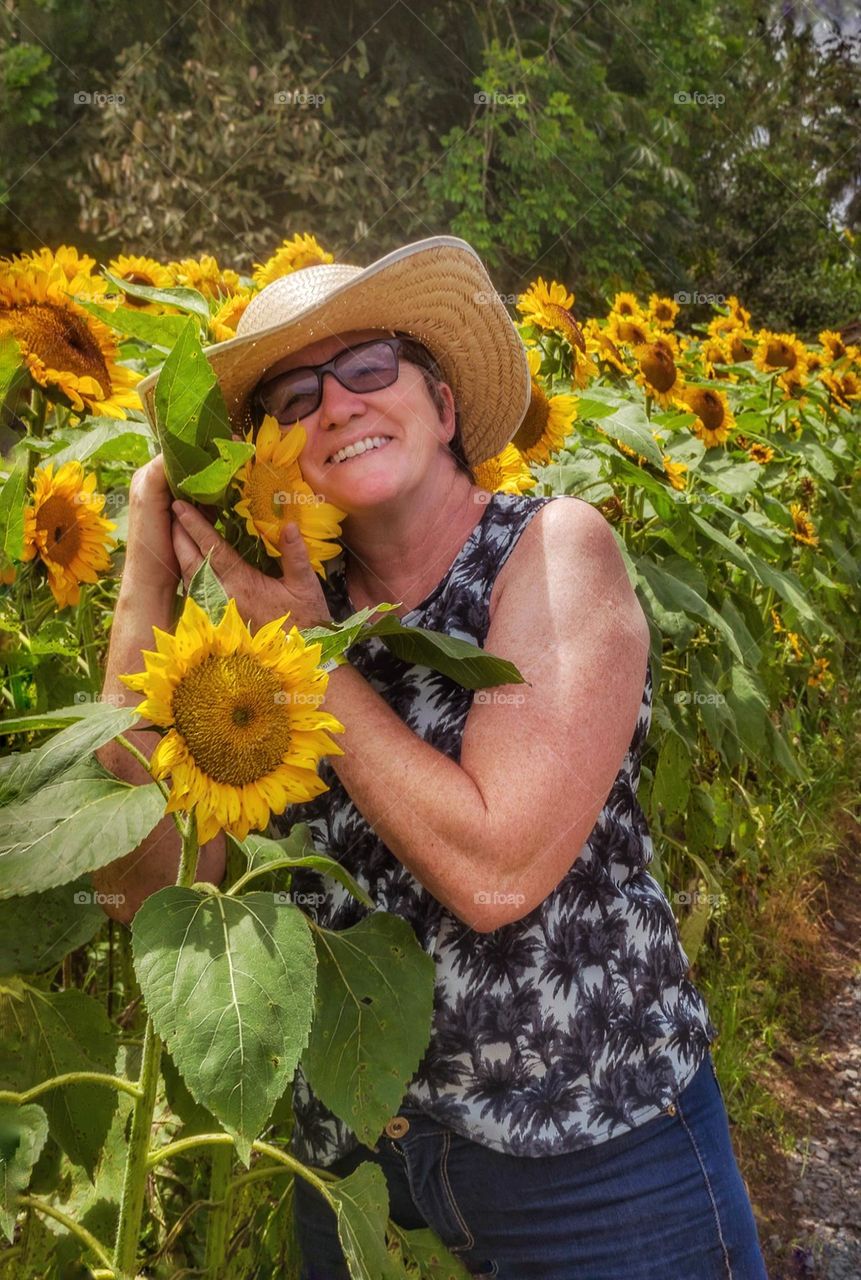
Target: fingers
{"type": "Point", "coordinates": [186, 551]}
{"type": "Point", "coordinates": [200, 532]}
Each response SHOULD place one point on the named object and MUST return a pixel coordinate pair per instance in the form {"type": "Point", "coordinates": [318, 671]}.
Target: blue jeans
{"type": "Point", "coordinates": [664, 1201]}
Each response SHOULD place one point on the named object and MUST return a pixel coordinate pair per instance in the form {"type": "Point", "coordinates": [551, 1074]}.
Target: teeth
{"type": "Point", "coordinates": [361, 446]}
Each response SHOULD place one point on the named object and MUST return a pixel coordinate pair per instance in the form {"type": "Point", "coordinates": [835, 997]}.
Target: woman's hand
{"type": "Point", "coordinates": [259, 598]}
{"type": "Point", "coordinates": [151, 566]}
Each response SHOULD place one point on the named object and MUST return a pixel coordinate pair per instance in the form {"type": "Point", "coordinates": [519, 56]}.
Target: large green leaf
{"type": "Point", "coordinates": [34, 769]}
{"type": "Point", "coordinates": [361, 1204]}
{"type": "Point", "coordinates": [37, 931]}
{"type": "Point", "coordinates": [50, 1033]}
{"type": "Point", "coordinates": [372, 1023]}
{"type": "Point", "coordinates": [749, 705]}
{"type": "Point", "coordinates": [158, 331]}
{"type": "Point", "coordinates": [433, 1259]}
{"type": "Point", "coordinates": [676, 595]}
{"type": "Point", "coordinates": [109, 441]}
{"type": "Point", "coordinates": [261, 849]}
{"type": "Point", "coordinates": [672, 776]}
{"type": "Point", "coordinates": [229, 983]}
{"type": "Point", "coordinates": [185, 299]}
{"type": "Point", "coordinates": [630, 425]}
{"type": "Point", "coordinates": [190, 409]}
{"type": "Point", "coordinates": [12, 515]}
{"type": "Point", "coordinates": [13, 372]}
{"type": "Point", "coordinates": [73, 825]}
{"type": "Point", "coordinates": [23, 1134]}
{"type": "Point", "coordinates": [210, 485]}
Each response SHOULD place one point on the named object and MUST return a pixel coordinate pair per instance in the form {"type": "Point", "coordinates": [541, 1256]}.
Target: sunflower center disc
{"type": "Point", "coordinates": [57, 519]}
{"type": "Point", "coordinates": [231, 713]}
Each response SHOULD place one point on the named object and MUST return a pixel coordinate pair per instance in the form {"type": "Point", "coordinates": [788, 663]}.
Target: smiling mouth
{"type": "Point", "coordinates": [348, 457]}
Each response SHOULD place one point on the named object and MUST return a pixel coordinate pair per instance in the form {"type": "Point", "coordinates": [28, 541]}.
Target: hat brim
{"type": "Point", "coordinates": [438, 291]}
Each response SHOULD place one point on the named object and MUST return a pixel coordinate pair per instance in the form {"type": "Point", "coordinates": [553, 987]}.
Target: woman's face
{"type": "Point", "coordinates": [404, 412]}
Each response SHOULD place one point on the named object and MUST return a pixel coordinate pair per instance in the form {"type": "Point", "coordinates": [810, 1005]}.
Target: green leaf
{"type": "Point", "coordinates": [461, 660]}
{"type": "Point", "coordinates": [260, 850]}
{"type": "Point", "coordinates": [73, 825]}
{"type": "Point", "coordinates": [158, 331]}
{"type": "Point", "coordinates": [38, 930]}
{"type": "Point", "coordinates": [229, 983]}
{"type": "Point", "coordinates": [23, 1134]}
{"type": "Point", "coordinates": [185, 299]}
{"type": "Point", "coordinates": [13, 371]}
{"type": "Point", "coordinates": [361, 1205]}
{"type": "Point", "coordinates": [431, 1256]}
{"type": "Point", "coordinates": [190, 410]}
{"type": "Point", "coordinates": [210, 485]}
{"type": "Point", "coordinates": [206, 590]}
{"type": "Point", "coordinates": [50, 1033]}
{"type": "Point", "coordinates": [676, 595]}
{"type": "Point", "coordinates": [632, 427]}
{"type": "Point", "coordinates": [672, 776]}
{"type": "Point", "coordinates": [34, 769]}
{"type": "Point", "coordinates": [786, 585]}
{"type": "Point", "coordinates": [372, 1024]}
{"type": "Point", "coordinates": [110, 441]}
{"type": "Point", "coordinates": [12, 515]}
{"type": "Point", "coordinates": [693, 928]}
{"type": "Point", "coordinates": [46, 720]}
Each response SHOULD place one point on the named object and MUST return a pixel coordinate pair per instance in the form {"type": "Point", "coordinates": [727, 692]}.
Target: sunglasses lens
{"type": "Point", "coordinates": [290, 396]}
{"type": "Point", "coordinates": [368, 368]}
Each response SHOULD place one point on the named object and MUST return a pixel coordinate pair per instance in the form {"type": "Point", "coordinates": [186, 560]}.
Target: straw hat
{"type": "Point", "coordinates": [436, 290]}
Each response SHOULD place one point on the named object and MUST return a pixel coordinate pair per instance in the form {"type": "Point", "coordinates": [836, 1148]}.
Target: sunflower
{"type": "Point", "coordinates": [245, 730]}
{"type": "Point", "coordinates": [67, 258]}
{"type": "Point", "coordinates": [776, 623]}
{"type": "Point", "coordinates": [843, 387]}
{"type": "Point", "coordinates": [599, 344]}
{"type": "Point", "coordinates": [548, 419]}
{"type": "Point", "coordinates": [274, 494]}
{"type": "Point", "coordinates": [65, 529]}
{"type": "Point", "coordinates": [836, 348]}
{"type": "Point", "coordinates": [224, 321]}
{"type": "Point", "coordinates": [628, 333]}
{"type": "Point", "coordinates": [761, 453]}
{"type": "Point", "coordinates": [627, 305]}
{"type": "Point", "coordinates": [675, 471]}
{"type": "Point", "coordinates": [549, 307]}
{"type": "Point", "coordinates": [783, 354]}
{"type": "Point", "coordinates": [795, 645]}
{"type": "Point", "coordinates": [291, 255]}
{"type": "Point", "coordinates": [66, 350]}
{"type": "Point", "coordinates": [714, 354]}
{"type": "Point", "coordinates": [803, 528]}
{"type": "Point", "coordinates": [145, 271]}
{"type": "Point", "coordinates": [204, 275]}
{"type": "Point", "coordinates": [659, 375]}
{"type": "Point", "coordinates": [506, 472]}
{"type": "Point", "coordinates": [662, 311]}
{"type": "Point", "coordinates": [714, 416]}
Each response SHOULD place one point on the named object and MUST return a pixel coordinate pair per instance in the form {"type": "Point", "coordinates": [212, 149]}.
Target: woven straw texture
{"type": "Point", "coordinates": [436, 290]}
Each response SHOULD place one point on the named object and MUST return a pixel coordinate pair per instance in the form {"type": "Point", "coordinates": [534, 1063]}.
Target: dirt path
{"type": "Point", "coordinates": [808, 1202]}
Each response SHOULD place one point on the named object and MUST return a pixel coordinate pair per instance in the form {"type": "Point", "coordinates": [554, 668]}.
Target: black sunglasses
{"type": "Point", "coordinates": [296, 393]}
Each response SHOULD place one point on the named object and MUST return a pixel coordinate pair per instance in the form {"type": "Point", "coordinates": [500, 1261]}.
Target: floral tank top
{"type": "Point", "coordinates": [558, 1031]}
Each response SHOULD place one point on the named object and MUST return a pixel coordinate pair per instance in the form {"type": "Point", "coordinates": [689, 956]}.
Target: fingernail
{"type": "Point", "coordinates": [179, 508]}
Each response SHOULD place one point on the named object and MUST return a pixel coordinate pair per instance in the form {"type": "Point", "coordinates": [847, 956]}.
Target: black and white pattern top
{"type": "Point", "coordinates": [564, 1028]}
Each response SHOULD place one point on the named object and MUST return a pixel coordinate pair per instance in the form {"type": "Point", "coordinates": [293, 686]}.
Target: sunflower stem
{"type": "Point", "coordinates": [134, 1181]}
{"type": "Point", "coordinates": [219, 1214]}
{"type": "Point", "coordinates": [87, 637]}
{"type": "Point", "coordinates": [123, 741]}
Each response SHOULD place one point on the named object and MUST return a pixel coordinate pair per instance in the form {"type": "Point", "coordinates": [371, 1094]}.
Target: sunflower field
{"type": "Point", "coordinates": [726, 458]}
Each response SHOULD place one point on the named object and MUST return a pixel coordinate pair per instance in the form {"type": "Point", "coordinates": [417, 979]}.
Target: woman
{"type": "Point", "coordinates": [566, 1119]}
